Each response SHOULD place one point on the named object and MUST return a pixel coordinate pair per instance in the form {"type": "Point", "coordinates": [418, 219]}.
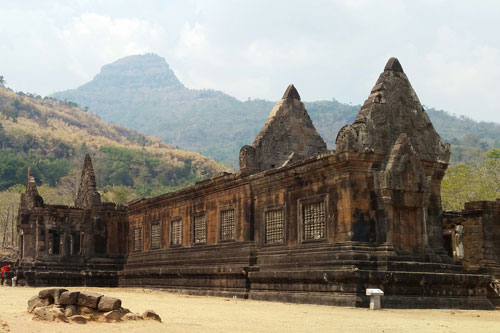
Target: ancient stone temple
{"type": "Point", "coordinates": [297, 223]}
{"type": "Point", "coordinates": [61, 245]}
{"type": "Point", "coordinates": [472, 238]}
{"type": "Point", "coordinates": [393, 126]}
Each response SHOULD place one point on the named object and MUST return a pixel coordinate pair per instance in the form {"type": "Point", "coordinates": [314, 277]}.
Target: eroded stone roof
{"type": "Point", "coordinates": [392, 109]}
{"type": "Point", "coordinates": [288, 135]}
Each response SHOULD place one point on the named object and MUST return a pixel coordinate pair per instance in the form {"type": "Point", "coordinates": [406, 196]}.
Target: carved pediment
{"type": "Point", "coordinates": [404, 170]}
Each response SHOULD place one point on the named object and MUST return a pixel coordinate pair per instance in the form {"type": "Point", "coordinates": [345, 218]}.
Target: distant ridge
{"type": "Point", "coordinates": [142, 92]}
{"type": "Point", "coordinates": [52, 138]}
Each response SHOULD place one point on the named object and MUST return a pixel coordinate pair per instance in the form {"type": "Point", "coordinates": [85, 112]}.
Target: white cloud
{"type": "Point", "coordinates": [255, 48]}
{"type": "Point", "coordinates": [61, 49]}
{"type": "Point", "coordinates": [461, 75]}
{"type": "Point", "coordinates": [192, 37]}
{"type": "Point", "coordinates": [108, 39]}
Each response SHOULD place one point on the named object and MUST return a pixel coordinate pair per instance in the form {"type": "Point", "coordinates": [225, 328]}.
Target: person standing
{"type": "Point", "coordinates": [4, 269]}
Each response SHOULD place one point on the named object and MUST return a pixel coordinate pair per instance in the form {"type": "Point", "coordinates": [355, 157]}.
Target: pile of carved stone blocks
{"type": "Point", "coordinates": [58, 304]}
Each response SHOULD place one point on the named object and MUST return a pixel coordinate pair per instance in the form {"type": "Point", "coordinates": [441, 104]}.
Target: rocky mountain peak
{"type": "Point", "coordinates": [146, 70]}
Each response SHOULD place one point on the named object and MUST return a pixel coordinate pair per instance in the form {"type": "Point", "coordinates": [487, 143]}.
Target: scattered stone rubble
{"type": "Point", "coordinates": [4, 326]}
{"type": "Point", "coordinates": [58, 304]}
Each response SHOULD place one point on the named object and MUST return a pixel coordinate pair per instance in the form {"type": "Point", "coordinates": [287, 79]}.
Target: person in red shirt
{"type": "Point", "coordinates": [3, 270]}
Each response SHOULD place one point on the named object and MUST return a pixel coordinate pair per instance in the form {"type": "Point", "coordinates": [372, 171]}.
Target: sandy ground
{"type": "Point", "coordinates": [182, 313]}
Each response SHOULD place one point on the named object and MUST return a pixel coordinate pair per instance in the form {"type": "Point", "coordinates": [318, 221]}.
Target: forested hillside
{"type": "Point", "coordinates": [143, 93]}
{"type": "Point", "coordinates": [472, 181]}
{"type": "Point", "coordinates": [52, 137]}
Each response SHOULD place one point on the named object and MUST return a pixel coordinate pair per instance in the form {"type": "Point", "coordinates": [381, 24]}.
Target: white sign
{"type": "Point", "coordinates": [374, 292]}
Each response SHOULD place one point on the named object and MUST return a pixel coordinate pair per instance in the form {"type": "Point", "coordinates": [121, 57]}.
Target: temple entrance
{"type": "Point", "coordinates": [75, 245]}
{"type": "Point", "coordinates": [54, 242]}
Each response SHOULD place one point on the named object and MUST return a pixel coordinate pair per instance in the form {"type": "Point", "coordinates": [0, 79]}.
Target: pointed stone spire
{"type": "Point", "coordinates": [31, 184]}
{"type": "Point", "coordinates": [29, 179]}
{"type": "Point", "coordinates": [288, 131]}
{"type": "Point", "coordinates": [30, 199]}
{"type": "Point", "coordinates": [87, 195]}
{"type": "Point", "coordinates": [393, 65]}
{"type": "Point", "coordinates": [291, 93]}
{"type": "Point", "coordinates": [393, 108]}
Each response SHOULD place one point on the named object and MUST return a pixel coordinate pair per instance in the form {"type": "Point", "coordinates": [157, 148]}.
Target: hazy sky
{"type": "Point", "coordinates": [329, 49]}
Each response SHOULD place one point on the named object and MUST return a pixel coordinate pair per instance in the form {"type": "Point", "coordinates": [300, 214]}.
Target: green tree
{"type": "Point", "coordinates": [494, 153]}
{"type": "Point", "coordinates": [119, 194]}
{"type": "Point", "coordinates": [17, 104]}
{"type": "Point", "coordinates": [9, 204]}
{"type": "Point", "coordinates": [12, 169]}
{"type": "Point", "coordinates": [3, 137]}
{"type": "Point", "coordinates": [53, 170]}
{"type": "Point", "coordinates": [472, 181]}
{"type": "Point", "coordinates": [55, 195]}
{"type": "Point", "coordinates": [10, 112]}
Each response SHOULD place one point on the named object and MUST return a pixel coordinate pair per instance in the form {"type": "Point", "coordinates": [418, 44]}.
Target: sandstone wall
{"type": "Point", "coordinates": [481, 234]}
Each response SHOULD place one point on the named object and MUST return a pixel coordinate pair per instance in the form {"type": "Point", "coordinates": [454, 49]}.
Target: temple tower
{"type": "Point", "coordinates": [393, 124]}
{"type": "Point", "coordinates": [288, 135]}
{"type": "Point", "coordinates": [31, 199]}
{"type": "Point", "coordinates": [87, 195]}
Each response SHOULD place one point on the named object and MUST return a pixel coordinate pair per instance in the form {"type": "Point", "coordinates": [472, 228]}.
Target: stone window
{"type": "Point", "coordinates": [227, 224]}
{"type": "Point", "coordinates": [137, 240]}
{"type": "Point", "coordinates": [82, 242]}
{"type": "Point", "coordinates": [155, 236]}
{"type": "Point", "coordinates": [313, 220]}
{"type": "Point", "coordinates": [75, 243]}
{"type": "Point", "coordinates": [199, 229]}
{"type": "Point", "coordinates": [54, 246]}
{"type": "Point", "coordinates": [21, 245]}
{"type": "Point", "coordinates": [71, 244]}
{"type": "Point", "coordinates": [176, 232]}
{"type": "Point", "coordinates": [274, 224]}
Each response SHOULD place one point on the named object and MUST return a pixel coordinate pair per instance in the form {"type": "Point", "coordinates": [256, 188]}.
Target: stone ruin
{"type": "Point", "coordinates": [58, 304]}
{"type": "Point", "coordinates": [297, 223]}
{"type": "Point", "coordinates": [472, 239]}
{"type": "Point", "coordinates": [288, 136]}
{"type": "Point", "coordinates": [392, 123]}
{"type": "Point", "coordinates": [87, 195]}
{"type": "Point", "coordinates": [70, 244]}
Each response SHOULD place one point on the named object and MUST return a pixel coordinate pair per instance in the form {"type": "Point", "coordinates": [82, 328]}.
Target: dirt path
{"type": "Point", "coordinates": [211, 314]}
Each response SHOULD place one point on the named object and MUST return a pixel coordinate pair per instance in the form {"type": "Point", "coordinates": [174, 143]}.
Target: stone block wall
{"type": "Point", "coordinates": [207, 203]}
{"type": "Point", "coordinates": [481, 234]}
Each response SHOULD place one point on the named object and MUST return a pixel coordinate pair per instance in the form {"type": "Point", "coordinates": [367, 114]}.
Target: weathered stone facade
{"type": "Point", "coordinates": [474, 234]}
{"type": "Point", "coordinates": [288, 136]}
{"type": "Point", "coordinates": [393, 123]}
{"type": "Point", "coordinates": [472, 238]}
{"type": "Point", "coordinates": [297, 223]}
{"type": "Point", "coordinates": [62, 245]}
